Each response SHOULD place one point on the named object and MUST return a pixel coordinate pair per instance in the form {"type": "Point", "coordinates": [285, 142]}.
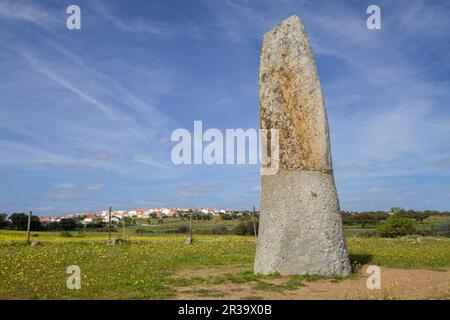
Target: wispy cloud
{"type": "Point", "coordinates": [26, 12]}
{"type": "Point", "coordinates": [94, 187]}
{"type": "Point", "coordinates": [185, 192]}
{"type": "Point", "coordinates": [73, 191]}
{"type": "Point", "coordinates": [146, 28]}
{"type": "Point", "coordinates": [99, 104]}
{"type": "Point", "coordinates": [106, 110]}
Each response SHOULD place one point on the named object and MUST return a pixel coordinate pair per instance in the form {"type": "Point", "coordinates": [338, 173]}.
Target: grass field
{"type": "Point", "coordinates": [171, 224]}
{"type": "Point", "coordinates": [154, 266]}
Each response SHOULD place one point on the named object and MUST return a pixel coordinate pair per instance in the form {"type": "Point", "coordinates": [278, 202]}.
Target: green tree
{"type": "Point", "coordinates": [4, 223]}
{"type": "Point", "coordinates": [19, 221]}
{"type": "Point", "coordinates": [418, 215]}
{"type": "Point", "coordinates": [397, 210]}
{"type": "Point", "coordinates": [35, 223]}
{"type": "Point", "coordinates": [226, 216]}
{"type": "Point", "coordinates": [68, 224]}
{"type": "Point", "coordinates": [396, 226]}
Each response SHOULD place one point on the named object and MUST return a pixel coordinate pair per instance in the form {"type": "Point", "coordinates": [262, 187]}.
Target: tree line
{"type": "Point", "coordinates": [367, 218]}
{"type": "Point", "coordinates": [19, 221]}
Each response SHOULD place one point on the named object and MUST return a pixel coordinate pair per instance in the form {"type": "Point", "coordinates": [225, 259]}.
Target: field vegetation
{"type": "Point", "coordinates": [155, 266]}
{"type": "Point", "coordinates": [153, 261]}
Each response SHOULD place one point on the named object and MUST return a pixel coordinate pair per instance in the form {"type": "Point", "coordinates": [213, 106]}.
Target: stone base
{"type": "Point", "coordinates": [301, 228]}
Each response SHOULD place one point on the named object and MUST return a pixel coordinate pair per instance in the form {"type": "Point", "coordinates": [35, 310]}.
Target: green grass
{"type": "Point", "coordinates": [207, 293]}
{"type": "Point", "coordinates": [431, 253]}
{"type": "Point", "coordinates": [171, 225]}
{"type": "Point", "coordinates": [147, 267]}
{"type": "Point", "coordinates": [267, 286]}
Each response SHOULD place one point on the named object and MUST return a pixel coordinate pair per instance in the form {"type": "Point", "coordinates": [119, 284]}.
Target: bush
{"type": "Point", "coordinates": [67, 224]}
{"type": "Point", "coordinates": [80, 234]}
{"type": "Point", "coordinates": [96, 224]}
{"type": "Point", "coordinates": [396, 226]}
{"type": "Point", "coordinates": [244, 229]}
{"type": "Point", "coordinates": [182, 229]}
{"type": "Point", "coordinates": [240, 229]}
{"type": "Point", "coordinates": [220, 230]}
{"type": "Point", "coordinates": [142, 231]}
{"type": "Point", "coordinates": [139, 231]}
{"type": "Point", "coordinates": [226, 216]}
{"type": "Point", "coordinates": [441, 226]}
{"type": "Point", "coordinates": [65, 234]}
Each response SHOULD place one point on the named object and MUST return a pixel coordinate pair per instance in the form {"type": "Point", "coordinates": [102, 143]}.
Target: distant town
{"type": "Point", "coordinates": [118, 215]}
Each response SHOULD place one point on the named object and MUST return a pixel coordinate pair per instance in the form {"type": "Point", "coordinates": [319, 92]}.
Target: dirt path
{"type": "Point", "coordinates": [395, 284]}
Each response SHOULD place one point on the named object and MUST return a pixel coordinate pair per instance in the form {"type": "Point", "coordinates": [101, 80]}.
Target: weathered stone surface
{"type": "Point", "coordinates": [301, 229]}
{"type": "Point", "coordinates": [291, 98]}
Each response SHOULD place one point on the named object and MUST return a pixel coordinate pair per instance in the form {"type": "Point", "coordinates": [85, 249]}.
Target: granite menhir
{"type": "Point", "coordinates": [301, 228]}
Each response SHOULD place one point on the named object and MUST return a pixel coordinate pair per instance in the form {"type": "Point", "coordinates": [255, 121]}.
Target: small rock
{"type": "Point", "coordinates": [418, 240]}
{"type": "Point", "coordinates": [35, 243]}
{"type": "Point", "coordinates": [114, 242]}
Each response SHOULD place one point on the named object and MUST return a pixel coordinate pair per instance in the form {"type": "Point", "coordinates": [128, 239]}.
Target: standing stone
{"type": "Point", "coordinates": [301, 228]}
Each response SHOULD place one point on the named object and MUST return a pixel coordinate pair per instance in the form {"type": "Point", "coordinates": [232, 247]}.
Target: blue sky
{"type": "Point", "coordinates": [86, 115]}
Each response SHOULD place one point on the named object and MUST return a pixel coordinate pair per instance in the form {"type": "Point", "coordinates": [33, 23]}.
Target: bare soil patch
{"type": "Point", "coordinates": [395, 284]}
{"type": "Point", "coordinates": [207, 272]}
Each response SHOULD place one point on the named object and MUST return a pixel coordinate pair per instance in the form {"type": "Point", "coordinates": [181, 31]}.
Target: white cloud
{"type": "Point", "coordinates": [378, 190]}
{"type": "Point", "coordinates": [94, 187]}
{"type": "Point", "coordinates": [67, 186]}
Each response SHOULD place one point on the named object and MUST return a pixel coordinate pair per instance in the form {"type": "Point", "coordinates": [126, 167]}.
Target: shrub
{"type": "Point", "coordinates": [96, 224]}
{"type": "Point", "coordinates": [396, 226]}
{"type": "Point", "coordinates": [244, 229]}
{"type": "Point", "coordinates": [142, 231]}
{"type": "Point", "coordinates": [441, 226]}
{"type": "Point", "coordinates": [81, 234]}
{"type": "Point", "coordinates": [139, 231]}
{"type": "Point", "coordinates": [65, 234]}
{"type": "Point", "coordinates": [226, 216]}
{"type": "Point", "coordinates": [67, 224]}
{"type": "Point", "coordinates": [240, 229]}
{"type": "Point", "coordinates": [182, 229]}
{"type": "Point", "coordinates": [220, 230]}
